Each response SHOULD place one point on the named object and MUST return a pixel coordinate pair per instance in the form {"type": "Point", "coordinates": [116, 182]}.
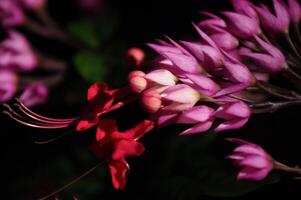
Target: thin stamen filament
{"type": "Point", "coordinates": [70, 183]}
{"type": "Point", "coordinates": [40, 116]}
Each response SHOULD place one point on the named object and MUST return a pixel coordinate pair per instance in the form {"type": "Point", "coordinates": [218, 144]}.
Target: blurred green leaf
{"type": "Point", "coordinates": [93, 32]}
{"type": "Point", "coordinates": [91, 66]}
{"type": "Point", "coordinates": [85, 31]}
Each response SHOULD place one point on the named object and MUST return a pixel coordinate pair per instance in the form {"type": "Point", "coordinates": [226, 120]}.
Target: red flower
{"type": "Point", "coordinates": [100, 100]}
{"type": "Point", "coordinates": [115, 146]}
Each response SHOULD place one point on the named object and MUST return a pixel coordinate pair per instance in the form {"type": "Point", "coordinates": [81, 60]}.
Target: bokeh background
{"type": "Point", "coordinates": [172, 167]}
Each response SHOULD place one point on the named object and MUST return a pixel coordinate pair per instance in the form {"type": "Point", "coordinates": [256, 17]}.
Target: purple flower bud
{"type": "Point", "coordinates": [209, 24]}
{"type": "Point", "coordinates": [237, 71]}
{"type": "Point", "coordinates": [16, 53]}
{"type": "Point", "coordinates": [33, 4]}
{"type": "Point", "coordinates": [165, 118]}
{"type": "Point", "coordinates": [8, 85]}
{"type": "Point", "coordinates": [230, 89]}
{"type": "Point", "coordinates": [35, 94]}
{"type": "Point", "coordinates": [202, 83]}
{"type": "Point", "coordinates": [241, 25]}
{"type": "Point", "coordinates": [10, 14]}
{"type": "Point", "coordinates": [278, 23]}
{"type": "Point", "coordinates": [195, 115]}
{"type": "Point", "coordinates": [212, 22]}
{"type": "Point", "coordinates": [271, 60]}
{"type": "Point", "coordinates": [294, 10]}
{"type": "Point", "coordinates": [225, 40]}
{"type": "Point", "coordinates": [236, 115]}
{"type": "Point", "coordinates": [199, 128]}
{"type": "Point", "coordinates": [244, 7]}
{"type": "Point", "coordinates": [184, 62]}
{"type": "Point", "coordinates": [252, 160]}
{"type": "Point", "coordinates": [236, 53]}
{"type": "Point", "coordinates": [209, 56]}
{"type": "Point", "coordinates": [181, 60]}
{"type": "Point", "coordinates": [205, 38]}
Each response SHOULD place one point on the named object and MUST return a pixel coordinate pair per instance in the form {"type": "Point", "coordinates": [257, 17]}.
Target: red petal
{"type": "Point", "coordinates": [138, 131]}
{"type": "Point", "coordinates": [118, 169]}
{"type": "Point", "coordinates": [95, 89]}
{"type": "Point", "coordinates": [84, 125]}
{"type": "Point", "coordinates": [106, 127]}
{"type": "Point", "coordinates": [125, 148]}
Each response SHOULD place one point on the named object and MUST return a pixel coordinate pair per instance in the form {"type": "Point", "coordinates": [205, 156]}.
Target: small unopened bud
{"type": "Point", "coordinates": [151, 101]}
{"type": "Point", "coordinates": [134, 57]}
{"type": "Point", "coordinates": [137, 81]}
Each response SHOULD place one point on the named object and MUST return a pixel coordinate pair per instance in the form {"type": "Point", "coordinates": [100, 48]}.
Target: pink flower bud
{"type": "Point", "coordinates": [274, 23]}
{"type": "Point", "coordinates": [209, 56]}
{"type": "Point", "coordinates": [225, 40]}
{"type": "Point", "coordinates": [8, 85]}
{"type": "Point", "coordinates": [176, 57]}
{"type": "Point", "coordinates": [241, 25]}
{"type": "Point", "coordinates": [238, 72]}
{"type": "Point", "coordinates": [252, 160]}
{"type": "Point", "coordinates": [244, 7]}
{"type": "Point", "coordinates": [35, 94]}
{"type": "Point", "coordinates": [16, 53]}
{"type": "Point", "coordinates": [151, 101]}
{"type": "Point", "coordinates": [195, 115]}
{"type": "Point", "coordinates": [181, 93]}
{"type": "Point", "coordinates": [162, 77]}
{"type": "Point", "coordinates": [211, 23]}
{"type": "Point", "coordinates": [271, 60]}
{"type": "Point", "coordinates": [294, 10]}
{"type": "Point", "coordinates": [10, 14]}
{"type": "Point", "coordinates": [137, 81]}
{"type": "Point", "coordinates": [185, 63]}
{"type": "Point", "coordinates": [236, 115]}
{"type": "Point", "coordinates": [202, 83]}
{"type": "Point", "coordinates": [135, 57]}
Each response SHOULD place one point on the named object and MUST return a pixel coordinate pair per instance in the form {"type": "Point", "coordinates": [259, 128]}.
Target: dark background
{"type": "Point", "coordinates": [169, 167]}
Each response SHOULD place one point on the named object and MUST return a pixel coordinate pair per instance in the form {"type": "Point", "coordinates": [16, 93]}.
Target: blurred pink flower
{"type": "Point", "coordinates": [34, 94]}
{"type": "Point", "coordinates": [135, 57]}
{"type": "Point", "coordinates": [8, 85]}
{"type": "Point", "coordinates": [11, 14]}
{"type": "Point", "coordinates": [16, 53]}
